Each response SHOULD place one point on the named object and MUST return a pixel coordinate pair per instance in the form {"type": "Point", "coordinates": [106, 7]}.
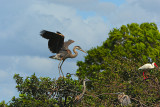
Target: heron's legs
{"type": "Point", "coordinates": [59, 67]}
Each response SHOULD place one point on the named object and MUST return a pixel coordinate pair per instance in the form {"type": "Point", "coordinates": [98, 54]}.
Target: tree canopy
{"type": "Point", "coordinates": [45, 92]}
{"type": "Point", "coordinates": [112, 67]}
{"type": "Point", "coordinates": [132, 42]}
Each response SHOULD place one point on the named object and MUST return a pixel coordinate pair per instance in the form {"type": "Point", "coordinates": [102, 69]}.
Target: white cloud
{"type": "Point", "coordinates": [105, 8]}
{"type": "Point", "coordinates": [7, 90]}
{"type": "Point", "coordinates": [151, 6]}
{"type": "Point", "coordinates": [3, 77]}
{"type": "Point", "coordinates": [134, 11]}
{"type": "Point", "coordinates": [26, 26]}
{"type": "Point", "coordinates": [78, 4]}
{"type": "Point", "coordinates": [27, 65]}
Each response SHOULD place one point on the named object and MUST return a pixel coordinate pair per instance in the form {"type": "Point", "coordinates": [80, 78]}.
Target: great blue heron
{"type": "Point", "coordinates": [123, 99]}
{"type": "Point", "coordinates": [57, 45]}
{"type": "Point", "coordinates": [79, 97]}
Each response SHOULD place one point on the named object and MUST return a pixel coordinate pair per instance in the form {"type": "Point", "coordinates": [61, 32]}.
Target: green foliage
{"type": "Point", "coordinates": [45, 92]}
{"type": "Point", "coordinates": [113, 67]}
{"type": "Point", "coordinates": [3, 104]}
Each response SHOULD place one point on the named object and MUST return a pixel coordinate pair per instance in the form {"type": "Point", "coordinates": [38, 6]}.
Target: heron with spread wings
{"type": "Point", "coordinates": [57, 45]}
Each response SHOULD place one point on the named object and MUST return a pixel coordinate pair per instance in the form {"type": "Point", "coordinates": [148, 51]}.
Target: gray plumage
{"type": "Point", "coordinates": [123, 99]}
{"type": "Point", "coordinates": [57, 45]}
{"type": "Point", "coordinates": [78, 98]}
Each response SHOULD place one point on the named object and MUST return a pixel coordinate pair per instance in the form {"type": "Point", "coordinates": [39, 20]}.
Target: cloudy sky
{"type": "Point", "coordinates": [87, 22]}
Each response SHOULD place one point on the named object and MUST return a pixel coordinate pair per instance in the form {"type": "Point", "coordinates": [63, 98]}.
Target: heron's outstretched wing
{"type": "Point", "coordinates": [66, 44]}
{"type": "Point", "coordinates": [56, 40]}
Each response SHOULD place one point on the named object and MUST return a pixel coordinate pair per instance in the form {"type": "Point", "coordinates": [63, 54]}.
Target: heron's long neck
{"type": "Point", "coordinates": [76, 53]}
{"type": "Point", "coordinates": [79, 97]}
{"type": "Point", "coordinates": [84, 89]}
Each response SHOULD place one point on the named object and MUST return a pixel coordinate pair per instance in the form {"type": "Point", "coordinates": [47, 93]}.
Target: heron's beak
{"type": "Point", "coordinates": [83, 51]}
{"type": "Point", "coordinates": [88, 80]}
{"type": "Point", "coordinates": [116, 93]}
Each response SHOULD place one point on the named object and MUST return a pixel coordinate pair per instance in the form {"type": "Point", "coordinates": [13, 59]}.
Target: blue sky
{"type": "Point", "coordinates": [87, 22]}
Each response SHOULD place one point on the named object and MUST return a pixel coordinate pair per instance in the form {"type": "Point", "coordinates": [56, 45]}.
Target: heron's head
{"type": "Point", "coordinates": [79, 48]}
{"type": "Point", "coordinates": [120, 93]}
{"type": "Point", "coordinates": [71, 40]}
{"type": "Point", "coordinates": [86, 79]}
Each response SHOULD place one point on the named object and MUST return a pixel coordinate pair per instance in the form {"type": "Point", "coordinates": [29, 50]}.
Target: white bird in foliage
{"type": "Point", "coordinates": [147, 67]}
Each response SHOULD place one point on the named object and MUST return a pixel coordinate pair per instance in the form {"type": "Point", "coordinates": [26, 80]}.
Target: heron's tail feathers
{"type": "Point", "coordinates": [55, 57]}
